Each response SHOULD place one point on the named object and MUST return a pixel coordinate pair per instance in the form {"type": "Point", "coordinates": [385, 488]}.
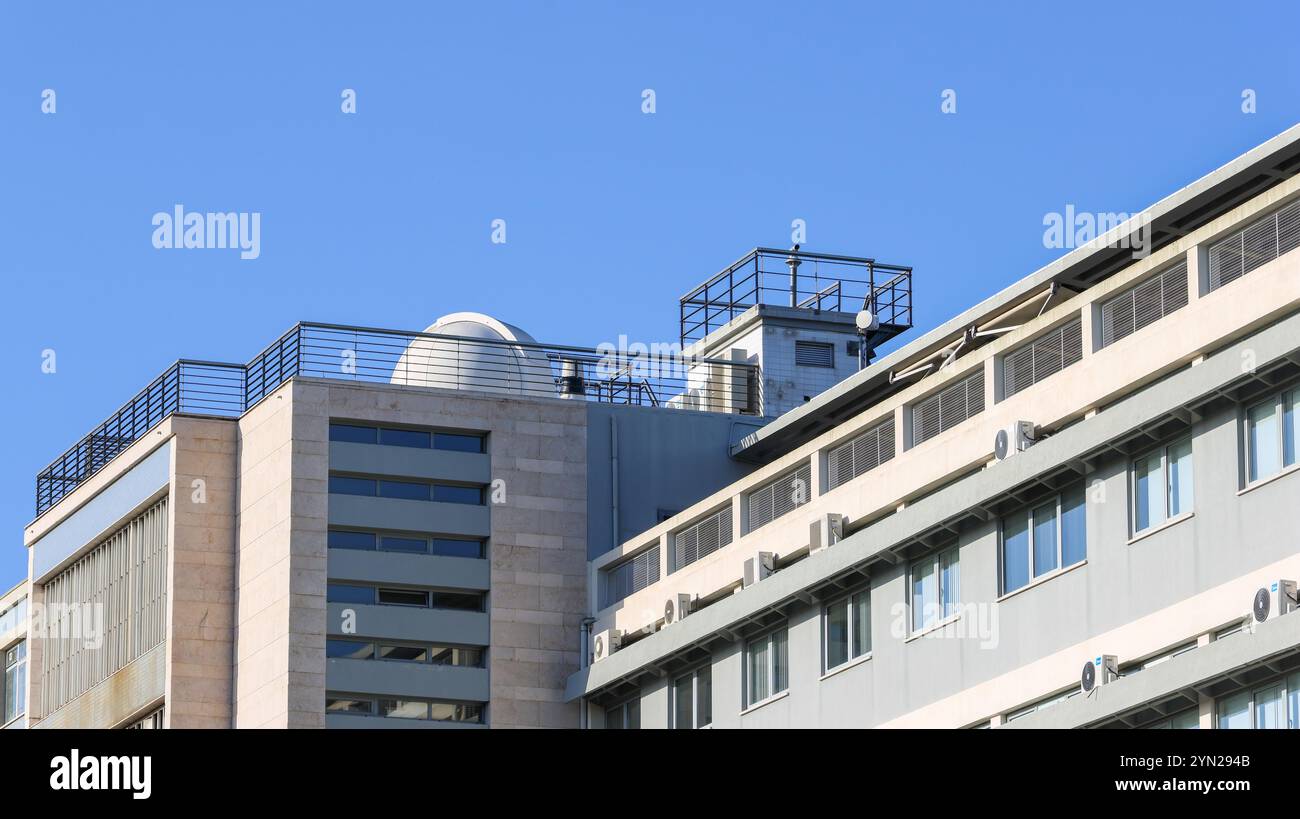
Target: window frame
{"type": "Point", "coordinates": [850, 599]}
{"type": "Point", "coordinates": [767, 638]}
{"type": "Point", "coordinates": [935, 558]}
{"type": "Point", "coordinates": [694, 676]}
{"type": "Point", "coordinates": [623, 709]}
{"type": "Point", "coordinates": [1057, 499]}
{"type": "Point", "coordinates": [1166, 489]}
{"type": "Point", "coordinates": [1288, 683]}
{"type": "Point", "coordinates": [20, 668]}
{"type": "Point", "coordinates": [1279, 403]}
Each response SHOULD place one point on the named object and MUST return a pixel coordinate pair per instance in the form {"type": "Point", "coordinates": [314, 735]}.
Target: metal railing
{"type": "Point", "coordinates": [607, 375]}
{"type": "Point", "coordinates": [796, 278]}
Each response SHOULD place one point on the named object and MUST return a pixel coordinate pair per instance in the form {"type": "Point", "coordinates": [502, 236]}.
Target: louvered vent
{"type": "Point", "coordinates": [774, 499]}
{"type": "Point", "coordinates": [702, 538]}
{"type": "Point", "coordinates": [948, 407]}
{"type": "Point", "coordinates": [1046, 355]}
{"type": "Point", "coordinates": [632, 576]}
{"type": "Point", "coordinates": [1144, 304]}
{"type": "Point", "coordinates": [861, 454]}
{"type": "Point", "coordinates": [814, 354]}
{"type": "Point", "coordinates": [1259, 243]}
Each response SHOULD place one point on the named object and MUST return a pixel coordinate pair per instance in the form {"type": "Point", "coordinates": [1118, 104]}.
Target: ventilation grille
{"type": "Point", "coordinates": [1144, 304]}
{"type": "Point", "coordinates": [814, 354]}
{"type": "Point", "coordinates": [1048, 354]}
{"type": "Point", "coordinates": [631, 576]}
{"type": "Point", "coordinates": [774, 499]}
{"type": "Point", "coordinates": [948, 407]}
{"type": "Point", "coordinates": [1259, 243]}
{"type": "Point", "coordinates": [860, 455]}
{"type": "Point", "coordinates": [702, 539]}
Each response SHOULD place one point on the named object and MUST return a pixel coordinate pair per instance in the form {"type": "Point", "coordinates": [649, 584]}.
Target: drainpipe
{"type": "Point", "coordinates": [613, 478]}
{"type": "Point", "coordinates": [585, 639]}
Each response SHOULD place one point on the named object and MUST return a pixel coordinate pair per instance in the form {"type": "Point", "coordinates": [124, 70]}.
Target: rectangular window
{"type": "Point", "coordinates": [948, 407]}
{"type": "Point", "coordinates": [411, 544]}
{"type": "Point", "coordinates": [1271, 435]}
{"type": "Point", "coordinates": [847, 630]}
{"type": "Point", "coordinates": [631, 576]}
{"type": "Point", "coordinates": [1162, 485]}
{"type": "Point", "coordinates": [353, 434]}
{"type": "Point", "coordinates": [1258, 243]}
{"type": "Point", "coordinates": [777, 497]}
{"type": "Point", "coordinates": [1043, 538]}
{"type": "Point", "coordinates": [457, 600]}
{"type": "Point", "coordinates": [1144, 304]}
{"type": "Point", "coordinates": [15, 686]}
{"type": "Point", "coordinates": [340, 539]}
{"type": "Point", "coordinates": [349, 593]}
{"type": "Point", "coordinates": [860, 455]}
{"type": "Point", "coordinates": [814, 354]}
{"type": "Point", "coordinates": [457, 547]}
{"type": "Point", "coordinates": [693, 699]}
{"type": "Point", "coordinates": [455, 442]}
{"type": "Point", "coordinates": [625, 716]}
{"type": "Point", "coordinates": [702, 538]}
{"type": "Point", "coordinates": [335, 704]}
{"type": "Point", "coordinates": [403, 708]}
{"type": "Point", "coordinates": [402, 597]}
{"type": "Point", "coordinates": [767, 666]}
{"type": "Point", "coordinates": [1272, 705]}
{"type": "Point", "coordinates": [472, 495]}
{"type": "Point", "coordinates": [935, 588]}
{"type": "Point", "coordinates": [405, 437]}
{"type": "Point", "coordinates": [1046, 355]}
{"type": "Point", "coordinates": [347, 485]}
{"type": "Point", "coordinates": [404, 490]}
{"type": "Point", "coordinates": [415, 438]}
{"type": "Point", "coordinates": [349, 650]}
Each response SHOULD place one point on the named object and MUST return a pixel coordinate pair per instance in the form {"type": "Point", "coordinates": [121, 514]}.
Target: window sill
{"type": "Point", "coordinates": [761, 703]}
{"type": "Point", "coordinates": [842, 667]}
{"type": "Point", "coordinates": [1290, 470]}
{"type": "Point", "coordinates": [1038, 581]}
{"type": "Point", "coordinates": [916, 635]}
{"type": "Point", "coordinates": [1151, 530]}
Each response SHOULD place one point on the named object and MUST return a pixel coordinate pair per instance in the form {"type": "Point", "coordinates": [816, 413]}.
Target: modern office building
{"type": "Point", "coordinates": [1084, 482]}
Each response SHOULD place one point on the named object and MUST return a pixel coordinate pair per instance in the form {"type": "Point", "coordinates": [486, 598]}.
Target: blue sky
{"type": "Point", "coordinates": [531, 113]}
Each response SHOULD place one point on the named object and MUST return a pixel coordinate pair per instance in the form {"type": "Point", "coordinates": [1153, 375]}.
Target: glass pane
{"type": "Point", "coordinates": [468, 657]}
{"type": "Point", "coordinates": [409, 654]}
{"type": "Point", "coordinates": [349, 650]}
{"type": "Point", "coordinates": [1262, 438]}
{"type": "Point", "coordinates": [405, 544]}
{"type": "Point", "coordinates": [1148, 493]}
{"type": "Point", "coordinates": [758, 671]}
{"type": "Point", "coordinates": [457, 443]}
{"type": "Point", "coordinates": [345, 705]}
{"type": "Point", "coordinates": [837, 633]}
{"type": "Point", "coordinates": [1180, 478]}
{"type": "Point", "coordinates": [404, 437]}
{"type": "Point", "coordinates": [459, 601]}
{"type": "Point", "coordinates": [949, 585]}
{"type": "Point", "coordinates": [1186, 720]}
{"type": "Point", "coordinates": [1045, 538]}
{"type": "Point", "coordinates": [1015, 552]}
{"type": "Point", "coordinates": [343, 485]}
{"type": "Point", "coordinates": [1074, 530]}
{"type": "Point", "coordinates": [683, 702]}
{"type": "Point", "coordinates": [861, 624]}
{"type": "Point", "coordinates": [614, 718]}
{"type": "Point", "coordinates": [704, 695]}
{"type": "Point", "coordinates": [1293, 700]}
{"type": "Point", "coordinates": [634, 714]}
{"type": "Point", "coordinates": [1289, 430]}
{"type": "Point", "coordinates": [404, 709]}
{"type": "Point", "coordinates": [456, 712]}
{"type": "Point", "coordinates": [345, 593]}
{"type": "Point", "coordinates": [403, 597]}
{"type": "Point", "coordinates": [925, 594]}
{"type": "Point", "coordinates": [1270, 709]}
{"type": "Point", "coordinates": [780, 664]}
{"type": "Point", "coordinates": [451, 547]}
{"type": "Point", "coordinates": [458, 494]}
{"type": "Point", "coordinates": [352, 434]}
{"type": "Point", "coordinates": [1234, 711]}
{"type": "Point", "coordinates": [351, 540]}
{"type": "Point", "coordinates": [404, 490]}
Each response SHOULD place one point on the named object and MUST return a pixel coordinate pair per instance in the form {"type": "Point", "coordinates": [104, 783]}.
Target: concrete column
{"type": "Point", "coordinates": [737, 517]}
{"type": "Point", "coordinates": [992, 383]}
{"type": "Point", "coordinates": [1198, 271]}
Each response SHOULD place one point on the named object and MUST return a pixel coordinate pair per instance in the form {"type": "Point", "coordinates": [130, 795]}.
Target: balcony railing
{"type": "Point", "coordinates": [373, 355]}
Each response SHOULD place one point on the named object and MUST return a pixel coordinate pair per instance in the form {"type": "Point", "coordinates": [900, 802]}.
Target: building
{"type": "Point", "coordinates": [771, 525]}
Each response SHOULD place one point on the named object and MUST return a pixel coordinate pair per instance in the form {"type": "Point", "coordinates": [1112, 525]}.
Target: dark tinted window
{"type": "Point", "coordinates": [404, 437]}
{"type": "Point", "coordinates": [352, 434]}
{"type": "Point", "coordinates": [410, 654]}
{"type": "Point", "coordinates": [457, 443]}
{"type": "Point", "coordinates": [458, 494]}
{"type": "Point", "coordinates": [405, 490]}
{"type": "Point", "coordinates": [351, 540]}
{"type": "Point", "coordinates": [457, 600]}
{"type": "Point", "coordinates": [346, 593]}
{"type": "Point", "coordinates": [344, 705]}
{"type": "Point", "coordinates": [450, 547]}
{"type": "Point", "coordinates": [403, 597]}
{"type": "Point", "coordinates": [470, 657]}
{"type": "Point", "coordinates": [349, 649]}
{"type": "Point", "coordinates": [405, 544]}
{"type": "Point", "coordinates": [343, 485]}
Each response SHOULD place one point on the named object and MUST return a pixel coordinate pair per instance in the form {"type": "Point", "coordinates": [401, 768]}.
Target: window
{"type": "Point", "coordinates": [777, 497]}
{"type": "Point", "coordinates": [399, 436]}
{"type": "Point", "coordinates": [624, 716]}
{"type": "Point", "coordinates": [631, 576]}
{"type": "Point", "coordinates": [814, 354]}
{"type": "Point", "coordinates": [1162, 485]}
{"type": "Point", "coordinates": [151, 722]}
{"type": "Point", "coordinates": [1144, 304]}
{"type": "Point", "coordinates": [357, 594]}
{"type": "Point", "coordinates": [1272, 705]}
{"type": "Point", "coordinates": [1042, 538]}
{"type": "Point", "coordinates": [402, 597]}
{"type": "Point", "coordinates": [1185, 720]}
{"type": "Point", "coordinates": [1271, 435]}
{"type": "Point", "coordinates": [339, 539]}
{"type": "Point", "coordinates": [948, 407]}
{"type": "Point", "coordinates": [410, 543]}
{"type": "Point", "coordinates": [15, 686]}
{"type": "Point", "coordinates": [767, 668]}
{"type": "Point", "coordinates": [860, 455]}
{"type": "Point", "coordinates": [349, 650]}
{"type": "Point", "coordinates": [1257, 244]}
{"type": "Point", "coordinates": [693, 699]}
{"type": "Point", "coordinates": [460, 656]}
{"type": "Point", "coordinates": [472, 495]}
{"type": "Point", "coordinates": [1047, 355]}
{"type": "Point", "coordinates": [702, 538]}
{"type": "Point", "coordinates": [847, 630]}
{"type": "Point", "coordinates": [403, 708]}
{"type": "Point", "coordinates": [935, 583]}
{"type": "Point", "coordinates": [349, 705]}
{"type": "Point", "coordinates": [405, 490]}
{"type": "Point", "coordinates": [349, 593]}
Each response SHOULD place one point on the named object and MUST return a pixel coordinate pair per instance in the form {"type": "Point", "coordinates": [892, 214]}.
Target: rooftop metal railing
{"type": "Point", "coordinates": [637, 375]}
{"type": "Point", "coordinates": [796, 278]}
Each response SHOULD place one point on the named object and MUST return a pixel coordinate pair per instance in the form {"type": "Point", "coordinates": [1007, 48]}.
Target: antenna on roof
{"type": "Point", "coordinates": [793, 262]}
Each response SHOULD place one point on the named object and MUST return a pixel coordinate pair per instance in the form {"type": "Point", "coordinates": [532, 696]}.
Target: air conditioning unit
{"type": "Point", "coordinates": [1015, 438]}
{"type": "Point", "coordinates": [1099, 671]}
{"type": "Point", "coordinates": [605, 643]}
{"type": "Point", "coordinates": [825, 531]}
{"type": "Point", "coordinates": [677, 607]}
{"type": "Point", "coordinates": [1274, 600]}
{"type": "Point", "coordinates": [759, 567]}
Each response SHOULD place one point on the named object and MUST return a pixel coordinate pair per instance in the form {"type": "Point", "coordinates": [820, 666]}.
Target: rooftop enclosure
{"type": "Point", "coordinates": [796, 278]}
{"type": "Point", "coordinates": [508, 367]}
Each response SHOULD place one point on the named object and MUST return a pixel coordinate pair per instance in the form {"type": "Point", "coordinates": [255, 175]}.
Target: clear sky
{"type": "Point", "coordinates": [532, 113]}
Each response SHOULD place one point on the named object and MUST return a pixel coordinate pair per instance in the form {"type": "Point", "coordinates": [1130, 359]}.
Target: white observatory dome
{"type": "Point", "coordinates": [501, 365]}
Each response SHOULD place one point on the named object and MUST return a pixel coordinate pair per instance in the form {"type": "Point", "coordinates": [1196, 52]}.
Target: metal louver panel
{"type": "Point", "coordinates": [860, 455]}
{"type": "Point", "coordinates": [1144, 304]}
{"type": "Point", "coordinates": [814, 354]}
{"type": "Point", "coordinates": [631, 576]}
{"type": "Point", "coordinates": [948, 407]}
{"type": "Point", "coordinates": [1257, 244]}
{"type": "Point", "coordinates": [1046, 355]}
{"type": "Point", "coordinates": [702, 539]}
{"type": "Point", "coordinates": [774, 499]}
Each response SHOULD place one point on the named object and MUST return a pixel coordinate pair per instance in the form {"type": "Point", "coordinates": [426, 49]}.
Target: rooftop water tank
{"type": "Point", "coordinates": [502, 363]}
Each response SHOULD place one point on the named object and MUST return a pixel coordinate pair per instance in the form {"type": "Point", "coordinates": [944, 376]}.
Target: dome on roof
{"type": "Point", "coordinates": [506, 362]}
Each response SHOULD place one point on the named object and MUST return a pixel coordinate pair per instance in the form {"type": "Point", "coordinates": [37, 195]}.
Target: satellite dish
{"type": "Point", "coordinates": [1263, 603]}
{"type": "Point", "coordinates": [1001, 444]}
{"type": "Point", "coordinates": [867, 321]}
{"type": "Point", "coordinates": [600, 647]}
{"type": "Point", "coordinates": [1089, 677]}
